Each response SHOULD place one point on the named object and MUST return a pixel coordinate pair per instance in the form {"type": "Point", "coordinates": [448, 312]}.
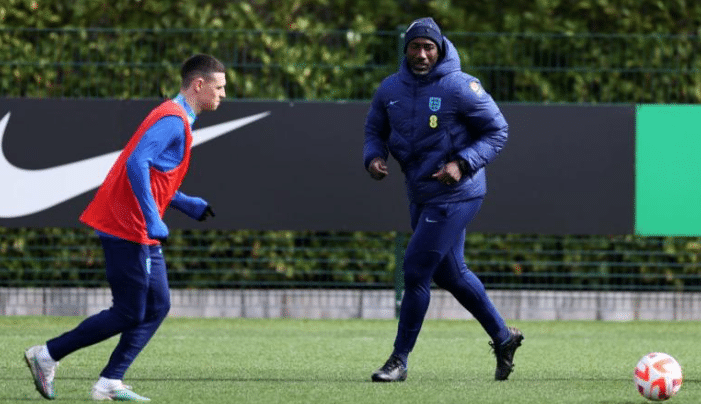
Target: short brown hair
{"type": "Point", "coordinates": [200, 65]}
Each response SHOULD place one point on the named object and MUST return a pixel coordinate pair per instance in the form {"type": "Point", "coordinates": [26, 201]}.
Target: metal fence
{"type": "Point", "coordinates": [347, 65]}
{"type": "Point", "coordinates": [294, 260]}
{"type": "Point", "coordinates": [342, 65]}
{"type": "Point", "coordinates": [342, 275]}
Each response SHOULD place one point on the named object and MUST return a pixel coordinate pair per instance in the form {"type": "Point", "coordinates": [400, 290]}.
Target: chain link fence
{"type": "Point", "coordinates": [293, 260]}
{"type": "Point", "coordinates": [341, 275]}
{"type": "Point", "coordinates": [347, 65]}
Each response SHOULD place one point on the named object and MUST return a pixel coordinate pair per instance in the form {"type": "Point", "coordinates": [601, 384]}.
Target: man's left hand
{"type": "Point", "coordinates": [450, 174]}
{"type": "Point", "coordinates": [208, 212]}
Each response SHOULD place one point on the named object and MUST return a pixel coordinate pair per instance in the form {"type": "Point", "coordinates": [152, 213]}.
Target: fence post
{"type": "Point", "coordinates": [400, 238]}
{"type": "Point", "coordinates": [398, 271]}
{"type": "Point", "coordinates": [400, 44]}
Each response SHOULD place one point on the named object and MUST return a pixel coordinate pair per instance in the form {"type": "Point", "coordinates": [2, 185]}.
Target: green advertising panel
{"type": "Point", "coordinates": [668, 170]}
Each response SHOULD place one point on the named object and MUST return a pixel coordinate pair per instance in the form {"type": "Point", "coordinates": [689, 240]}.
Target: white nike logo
{"type": "Point", "coordinates": [31, 191]}
{"type": "Point", "coordinates": [431, 221]}
{"type": "Point", "coordinates": [389, 104]}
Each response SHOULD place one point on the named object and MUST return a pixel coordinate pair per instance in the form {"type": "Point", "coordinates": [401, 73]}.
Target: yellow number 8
{"type": "Point", "coordinates": [433, 121]}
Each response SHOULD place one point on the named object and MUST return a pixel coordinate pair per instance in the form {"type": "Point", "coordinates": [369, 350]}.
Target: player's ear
{"type": "Point", "coordinates": [198, 83]}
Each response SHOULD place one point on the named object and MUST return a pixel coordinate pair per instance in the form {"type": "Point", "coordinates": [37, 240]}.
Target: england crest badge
{"type": "Point", "coordinates": [434, 103]}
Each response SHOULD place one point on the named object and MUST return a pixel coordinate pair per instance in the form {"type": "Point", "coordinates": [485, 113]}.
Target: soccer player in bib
{"type": "Point", "coordinates": [126, 213]}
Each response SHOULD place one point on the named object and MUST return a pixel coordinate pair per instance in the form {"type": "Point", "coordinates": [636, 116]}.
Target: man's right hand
{"type": "Point", "coordinates": [378, 168]}
{"type": "Point", "coordinates": [158, 231]}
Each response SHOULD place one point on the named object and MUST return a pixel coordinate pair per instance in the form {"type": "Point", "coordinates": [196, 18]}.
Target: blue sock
{"type": "Point", "coordinates": [503, 336]}
{"type": "Point", "coordinates": [403, 356]}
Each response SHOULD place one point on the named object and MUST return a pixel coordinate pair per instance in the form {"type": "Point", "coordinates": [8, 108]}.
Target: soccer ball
{"type": "Point", "coordinates": [658, 376]}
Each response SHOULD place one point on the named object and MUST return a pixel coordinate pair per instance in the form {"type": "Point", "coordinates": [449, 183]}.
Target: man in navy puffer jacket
{"type": "Point", "coordinates": [443, 128]}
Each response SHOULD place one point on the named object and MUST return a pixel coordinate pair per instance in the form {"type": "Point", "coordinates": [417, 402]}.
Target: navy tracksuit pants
{"type": "Point", "coordinates": [436, 252]}
{"type": "Point", "coordinates": [140, 302]}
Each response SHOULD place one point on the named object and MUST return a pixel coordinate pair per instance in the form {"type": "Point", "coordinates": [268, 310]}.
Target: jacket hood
{"type": "Point", "coordinates": [448, 63]}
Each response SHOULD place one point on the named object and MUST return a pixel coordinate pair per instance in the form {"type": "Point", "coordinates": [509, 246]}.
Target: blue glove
{"type": "Point", "coordinates": [208, 212]}
{"type": "Point", "coordinates": [195, 207]}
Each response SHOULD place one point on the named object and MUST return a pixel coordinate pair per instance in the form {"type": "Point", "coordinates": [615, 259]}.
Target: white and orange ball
{"type": "Point", "coordinates": [658, 376]}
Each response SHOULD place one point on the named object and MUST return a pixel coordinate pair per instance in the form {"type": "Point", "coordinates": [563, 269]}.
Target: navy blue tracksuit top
{"type": "Point", "coordinates": [428, 121]}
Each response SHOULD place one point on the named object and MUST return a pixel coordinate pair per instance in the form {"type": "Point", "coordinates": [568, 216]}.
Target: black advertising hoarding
{"type": "Point", "coordinates": [566, 169]}
{"type": "Point", "coordinates": [298, 166]}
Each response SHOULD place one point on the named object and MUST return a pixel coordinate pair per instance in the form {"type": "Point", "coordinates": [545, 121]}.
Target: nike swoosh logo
{"type": "Point", "coordinates": [431, 221]}
{"type": "Point", "coordinates": [31, 191]}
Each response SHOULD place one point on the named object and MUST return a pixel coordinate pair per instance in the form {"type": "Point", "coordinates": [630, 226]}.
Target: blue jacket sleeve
{"type": "Point", "coordinates": [152, 145]}
{"type": "Point", "coordinates": [376, 131]}
{"type": "Point", "coordinates": [485, 123]}
{"type": "Point", "coordinates": [190, 205]}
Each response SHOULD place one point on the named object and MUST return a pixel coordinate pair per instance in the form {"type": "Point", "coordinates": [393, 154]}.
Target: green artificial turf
{"type": "Point", "coordinates": [330, 361]}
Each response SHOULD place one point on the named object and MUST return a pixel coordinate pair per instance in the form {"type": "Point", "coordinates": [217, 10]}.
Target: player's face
{"type": "Point", "coordinates": [421, 55]}
{"type": "Point", "coordinates": [211, 92]}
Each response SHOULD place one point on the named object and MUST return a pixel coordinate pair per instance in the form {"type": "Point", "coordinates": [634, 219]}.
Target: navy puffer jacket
{"type": "Point", "coordinates": [427, 121]}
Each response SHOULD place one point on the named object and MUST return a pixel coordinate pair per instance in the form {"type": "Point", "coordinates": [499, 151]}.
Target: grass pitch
{"type": "Point", "coordinates": [330, 361]}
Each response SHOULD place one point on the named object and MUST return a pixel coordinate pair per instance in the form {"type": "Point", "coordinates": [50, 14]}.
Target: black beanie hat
{"type": "Point", "coordinates": [424, 28]}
